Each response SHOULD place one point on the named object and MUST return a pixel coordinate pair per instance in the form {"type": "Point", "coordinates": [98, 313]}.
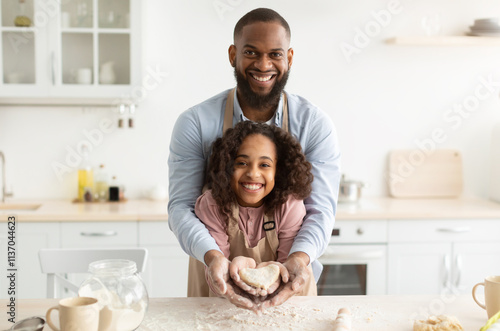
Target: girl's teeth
{"type": "Point", "coordinates": [252, 186]}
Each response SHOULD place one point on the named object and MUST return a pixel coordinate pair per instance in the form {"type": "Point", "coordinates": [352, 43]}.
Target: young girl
{"type": "Point", "coordinates": [257, 178]}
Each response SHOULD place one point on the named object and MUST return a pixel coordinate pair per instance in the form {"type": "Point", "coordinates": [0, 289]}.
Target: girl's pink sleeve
{"type": "Point", "coordinates": [290, 217]}
{"type": "Point", "coordinates": [208, 212]}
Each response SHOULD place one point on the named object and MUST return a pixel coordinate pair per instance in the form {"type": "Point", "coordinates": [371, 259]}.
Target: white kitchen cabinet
{"type": "Point", "coordinates": [75, 49]}
{"type": "Point", "coordinates": [436, 256]}
{"type": "Point", "coordinates": [98, 234]}
{"type": "Point", "coordinates": [167, 267]}
{"type": "Point", "coordinates": [95, 235]}
{"type": "Point", "coordinates": [30, 238]}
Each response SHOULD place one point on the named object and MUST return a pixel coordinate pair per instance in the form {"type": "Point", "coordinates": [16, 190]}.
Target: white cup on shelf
{"type": "Point", "coordinates": [84, 76]}
{"type": "Point", "coordinates": [65, 19]}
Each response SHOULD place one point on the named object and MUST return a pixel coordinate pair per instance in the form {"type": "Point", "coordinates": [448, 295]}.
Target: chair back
{"type": "Point", "coordinates": [58, 262]}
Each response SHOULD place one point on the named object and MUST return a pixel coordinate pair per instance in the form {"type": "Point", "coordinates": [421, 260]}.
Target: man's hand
{"type": "Point", "coordinates": [220, 282]}
{"type": "Point", "coordinates": [284, 277]}
{"type": "Point", "coordinates": [296, 264]}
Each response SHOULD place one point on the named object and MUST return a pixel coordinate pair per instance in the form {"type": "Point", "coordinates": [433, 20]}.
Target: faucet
{"type": "Point", "coordinates": [4, 190]}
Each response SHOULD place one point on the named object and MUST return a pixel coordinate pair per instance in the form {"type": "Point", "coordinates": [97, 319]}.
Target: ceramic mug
{"type": "Point", "coordinates": [76, 314]}
{"type": "Point", "coordinates": [84, 76]}
{"type": "Point", "coordinates": [491, 295]}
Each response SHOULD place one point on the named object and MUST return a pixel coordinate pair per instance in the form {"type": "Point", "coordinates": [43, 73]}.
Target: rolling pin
{"type": "Point", "coordinates": [343, 322]}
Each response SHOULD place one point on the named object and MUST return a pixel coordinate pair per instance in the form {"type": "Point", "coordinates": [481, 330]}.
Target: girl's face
{"type": "Point", "coordinates": [254, 170]}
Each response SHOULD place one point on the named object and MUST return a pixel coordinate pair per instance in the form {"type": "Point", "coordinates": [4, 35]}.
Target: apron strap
{"type": "Point", "coordinates": [269, 227]}
{"type": "Point", "coordinates": [228, 112]}
{"type": "Point", "coordinates": [284, 124]}
{"type": "Point", "coordinates": [271, 234]}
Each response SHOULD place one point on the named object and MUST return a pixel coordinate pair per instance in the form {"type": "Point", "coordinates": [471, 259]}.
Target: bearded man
{"type": "Point", "coordinates": [262, 58]}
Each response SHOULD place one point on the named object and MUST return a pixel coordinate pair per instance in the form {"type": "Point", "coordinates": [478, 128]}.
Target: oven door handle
{"type": "Point", "coordinates": [366, 255]}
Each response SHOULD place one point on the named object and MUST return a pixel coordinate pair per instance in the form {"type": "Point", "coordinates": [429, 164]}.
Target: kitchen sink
{"type": "Point", "coordinates": [19, 206]}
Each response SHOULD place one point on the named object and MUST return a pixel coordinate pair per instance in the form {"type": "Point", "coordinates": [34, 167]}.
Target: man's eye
{"type": "Point", "coordinates": [249, 53]}
{"type": "Point", "coordinates": [276, 54]}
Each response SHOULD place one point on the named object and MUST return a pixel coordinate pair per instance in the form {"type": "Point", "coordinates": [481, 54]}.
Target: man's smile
{"type": "Point", "coordinates": [262, 78]}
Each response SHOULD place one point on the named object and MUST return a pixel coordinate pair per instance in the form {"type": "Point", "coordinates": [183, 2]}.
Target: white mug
{"type": "Point", "coordinates": [491, 295]}
{"type": "Point", "coordinates": [65, 19]}
{"type": "Point", "coordinates": [84, 76]}
{"type": "Point", "coordinates": [76, 314]}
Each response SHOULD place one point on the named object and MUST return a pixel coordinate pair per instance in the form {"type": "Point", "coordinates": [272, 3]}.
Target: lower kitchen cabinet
{"type": "Point", "coordinates": [416, 268]}
{"type": "Point", "coordinates": [167, 267]}
{"type": "Point", "coordinates": [30, 238]}
{"type": "Point", "coordinates": [437, 256]}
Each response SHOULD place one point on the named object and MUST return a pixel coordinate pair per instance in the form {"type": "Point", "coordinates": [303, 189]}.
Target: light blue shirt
{"type": "Point", "coordinates": [198, 127]}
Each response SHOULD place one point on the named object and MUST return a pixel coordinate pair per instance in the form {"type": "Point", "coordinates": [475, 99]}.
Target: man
{"type": "Point", "coordinates": [262, 58]}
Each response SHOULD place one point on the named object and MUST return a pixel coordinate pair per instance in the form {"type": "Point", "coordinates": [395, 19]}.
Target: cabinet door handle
{"type": "Point", "coordinates": [53, 67]}
{"type": "Point", "coordinates": [110, 233]}
{"type": "Point", "coordinates": [460, 229]}
{"type": "Point", "coordinates": [458, 264]}
{"type": "Point", "coordinates": [447, 271]}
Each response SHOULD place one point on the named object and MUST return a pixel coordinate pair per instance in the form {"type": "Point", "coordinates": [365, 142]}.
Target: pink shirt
{"type": "Point", "coordinates": [288, 219]}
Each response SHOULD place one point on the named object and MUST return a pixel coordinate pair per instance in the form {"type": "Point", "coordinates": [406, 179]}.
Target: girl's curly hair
{"type": "Point", "coordinates": [293, 171]}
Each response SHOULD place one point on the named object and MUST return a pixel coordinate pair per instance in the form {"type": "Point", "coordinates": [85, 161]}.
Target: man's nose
{"type": "Point", "coordinates": [264, 63]}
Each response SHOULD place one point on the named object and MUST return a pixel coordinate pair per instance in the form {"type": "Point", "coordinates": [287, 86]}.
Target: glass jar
{"type": "Point", "coordinates": [121, 294]}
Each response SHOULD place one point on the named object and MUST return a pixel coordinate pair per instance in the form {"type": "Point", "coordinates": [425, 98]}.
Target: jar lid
{"type": "Point", "coordinates": [113, 266]}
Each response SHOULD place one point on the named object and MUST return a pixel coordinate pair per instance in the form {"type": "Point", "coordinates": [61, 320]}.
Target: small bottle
{"type": "Point", "coordinates": [101, 184]}
{"type": "Point", "coordinates": [114, 190]}
{"type": "Point", "coordinates": [85, 178]}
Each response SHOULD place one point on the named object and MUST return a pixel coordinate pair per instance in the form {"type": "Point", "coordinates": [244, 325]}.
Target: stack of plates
{"type": "Point", "coordinates": [486, 27]}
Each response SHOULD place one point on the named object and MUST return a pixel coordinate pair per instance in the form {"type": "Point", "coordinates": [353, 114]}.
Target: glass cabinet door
{"type": "Point", "coordinates": [18, 40]}
{"type": "Point", "coordinates": [95, 42]}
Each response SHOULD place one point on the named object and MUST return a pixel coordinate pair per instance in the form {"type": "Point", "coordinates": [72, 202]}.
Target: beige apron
{"type": "Point", "coordinates": [265, 250]}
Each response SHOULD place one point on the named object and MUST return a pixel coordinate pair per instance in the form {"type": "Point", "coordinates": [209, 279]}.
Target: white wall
{"type": "Point", "coordinates": [387, 97]}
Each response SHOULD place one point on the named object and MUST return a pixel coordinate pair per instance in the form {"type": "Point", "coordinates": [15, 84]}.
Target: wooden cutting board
{"type": "Point", "coordinates": [415, 174]}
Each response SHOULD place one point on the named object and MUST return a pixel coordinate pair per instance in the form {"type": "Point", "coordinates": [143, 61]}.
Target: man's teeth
{"type": "Point", "coordinates": [252, 186]}
{"type": "Point", "coordinates": [262, 79]}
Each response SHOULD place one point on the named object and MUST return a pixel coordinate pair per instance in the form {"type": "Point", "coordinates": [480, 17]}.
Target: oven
{"type": "Point", "coordinates": [355, 261]}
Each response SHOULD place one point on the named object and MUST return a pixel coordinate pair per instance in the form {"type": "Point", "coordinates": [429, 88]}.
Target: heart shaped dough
{"type": "Point", "coordinates": [261, 277]}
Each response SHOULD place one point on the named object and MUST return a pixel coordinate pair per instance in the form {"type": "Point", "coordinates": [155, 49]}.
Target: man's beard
{"type": "Point", "coordinates": [255, 100]}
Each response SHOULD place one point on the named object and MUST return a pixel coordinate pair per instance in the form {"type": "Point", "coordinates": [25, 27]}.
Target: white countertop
{"type": "Point", "coordinates": [391, 208]}
{"type": "Point", "coordinates": [63, 210]}
{"type": "Point", "coordinates": [366, 209]}
{"type": "Point", "coordinates": [298, 313]}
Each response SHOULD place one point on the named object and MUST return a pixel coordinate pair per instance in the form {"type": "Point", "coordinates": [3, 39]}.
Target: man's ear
{"type": "Point", "coordinates": [232, 55]}
{"type": "Point", "coordinates": [290, 57]}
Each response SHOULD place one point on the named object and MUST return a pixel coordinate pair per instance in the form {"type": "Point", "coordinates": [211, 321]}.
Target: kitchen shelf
{"type": "Point", "coordinates": [444, 41]}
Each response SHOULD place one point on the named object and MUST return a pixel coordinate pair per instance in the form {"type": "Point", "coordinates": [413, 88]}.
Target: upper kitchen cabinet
{"type": "Point", "coordinates": [78, 50]}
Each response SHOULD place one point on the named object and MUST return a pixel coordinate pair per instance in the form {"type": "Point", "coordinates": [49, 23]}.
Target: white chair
{"type": "Point", "coordinates": [56, 262]}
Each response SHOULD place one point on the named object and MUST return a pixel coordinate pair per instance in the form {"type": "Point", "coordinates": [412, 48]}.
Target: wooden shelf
{"type": "Point", "coordinates": [444, 41]}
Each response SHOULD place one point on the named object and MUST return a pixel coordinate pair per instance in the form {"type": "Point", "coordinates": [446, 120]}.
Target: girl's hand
{"type": "Point", "coordinates": [285, 276]}
{"type": "Point", "coordinates": [237, 264]}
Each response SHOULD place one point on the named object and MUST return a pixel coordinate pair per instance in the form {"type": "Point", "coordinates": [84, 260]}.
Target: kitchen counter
{"type": "Point", "coordinates": [397, 209]}
{"type": "Point", "coordinates": [299, 313]}
{"type": "Point", "coordinates": [63, 210]}
{"type": "Point", "coordinates": [367, 209]}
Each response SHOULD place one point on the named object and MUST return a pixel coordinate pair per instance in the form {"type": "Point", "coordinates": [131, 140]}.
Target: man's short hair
{"type": "Point", "coordinates": [261, 15]}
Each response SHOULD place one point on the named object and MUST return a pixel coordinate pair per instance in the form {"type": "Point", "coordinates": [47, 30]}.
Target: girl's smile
{"type": "Point", "coordinates": [254, 170]}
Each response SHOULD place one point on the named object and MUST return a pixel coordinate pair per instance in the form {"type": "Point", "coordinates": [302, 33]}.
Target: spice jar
{"type": "Point", "coordinates": [121, 294]}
